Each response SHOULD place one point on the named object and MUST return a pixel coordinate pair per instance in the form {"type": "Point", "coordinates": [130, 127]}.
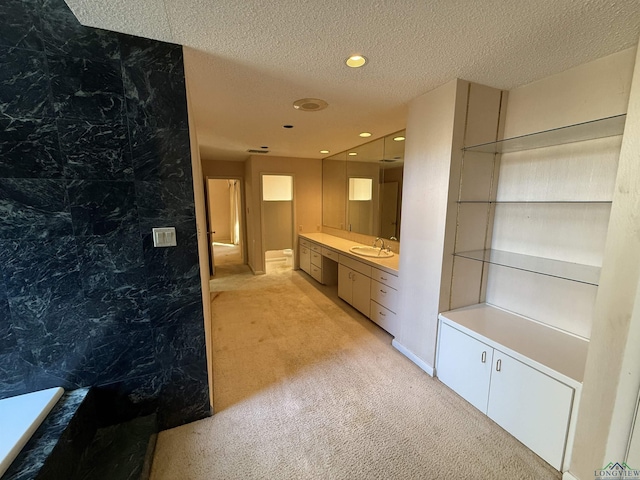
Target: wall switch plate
{"type": "Point", "coordinates": [299, 228]}
{"type": "Point", "coordinates": [164, 237]}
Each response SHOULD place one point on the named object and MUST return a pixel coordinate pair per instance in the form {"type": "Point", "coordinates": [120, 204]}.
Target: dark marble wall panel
{"type": "Point", "coordinates": [24, 84]}
{"type": "Point", "coordinates": [21, 26]}
{"type": "Point", "coordinates": [94, 153]}
{"type": "Point", "coordinates": [34, 208]}
{"type": "Point", "coordinates": [99, 81]}
{"type": "Point", "coordinates": [29, 149]}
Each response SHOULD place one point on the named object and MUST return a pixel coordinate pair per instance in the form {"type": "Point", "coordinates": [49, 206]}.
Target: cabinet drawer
{"type": "Point", "coordinates": [386, 278]}
{"type": "Point", "coordinates": [332, 254]}
{"type": "Point", "coordinates": [316, 259]}
{"type": "Point", "coordinates": [316, 273]}
{"type": "Point", "coordinates": [384, 317]}
{"type": "Point", "coordinates": [315, 247]}
{"type": "Point", "coordinates": [384, 295]}
{"type": "Point", "coordinates": [304, 243]}
{"type": "Point", "coordinates": [355, 265]}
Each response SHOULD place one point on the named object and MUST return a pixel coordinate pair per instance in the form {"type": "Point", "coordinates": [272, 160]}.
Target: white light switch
{"type": "Point", "coordinates": [164, 237]}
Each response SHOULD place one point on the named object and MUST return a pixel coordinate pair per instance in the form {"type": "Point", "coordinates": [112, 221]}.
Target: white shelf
{"type": "Point", "coordinates": [575, 272]}
{"type": "Point", "coordinates": [554, 352]}
{"type": "Point", "coordinates": [601, 128]}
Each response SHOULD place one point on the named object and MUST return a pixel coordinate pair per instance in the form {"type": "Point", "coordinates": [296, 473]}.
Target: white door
{"type": "Point", "coordinates": [464, 365]}
{"type": "Point", "coordinates": [531, 406]}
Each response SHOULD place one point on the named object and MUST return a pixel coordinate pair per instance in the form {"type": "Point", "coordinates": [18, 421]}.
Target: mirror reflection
{"type": "Point", "coordinates": [362, 187]}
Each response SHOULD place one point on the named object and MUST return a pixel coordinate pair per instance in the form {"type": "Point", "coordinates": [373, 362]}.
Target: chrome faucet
{"type": "Point", "coordinates": [375, 242]}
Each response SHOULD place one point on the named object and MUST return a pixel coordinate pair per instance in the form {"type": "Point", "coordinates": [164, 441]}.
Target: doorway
{"type": "Point", "coordinates": [225, 224]}
{"type": "Point", "coordinates": [277, 223]}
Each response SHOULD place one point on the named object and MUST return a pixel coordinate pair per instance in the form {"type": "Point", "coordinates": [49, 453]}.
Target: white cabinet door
{"type": "Point", "coordinates": [345, 285]}
{"type": "Point", "coordinates": [530, 405]}
{"type": "Point", "coordinates": [305, 259]}
{"type": "Point", "coordinates": [464, 364]}
{"type": "Point", "coordinates": [361, 298]}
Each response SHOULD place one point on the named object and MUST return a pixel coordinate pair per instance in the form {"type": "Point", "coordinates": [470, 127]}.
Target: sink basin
{"type": "Point", "coordinates": [371, 251]}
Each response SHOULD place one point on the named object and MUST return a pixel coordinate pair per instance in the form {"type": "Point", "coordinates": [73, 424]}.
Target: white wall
{"type": "Point", "coordinates": [594, 90]}
{"type": "Point", "coordinates": [612, 375]}
{"type": "Point", "coordinates": [425, 198]}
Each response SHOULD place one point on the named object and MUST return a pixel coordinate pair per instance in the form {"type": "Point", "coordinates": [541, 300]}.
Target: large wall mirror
{"type": "Point", "coordinates": [362, 188]}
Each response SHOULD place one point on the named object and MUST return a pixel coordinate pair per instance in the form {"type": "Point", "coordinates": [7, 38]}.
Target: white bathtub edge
{"type": "Point", "coordinates": [41, 403]}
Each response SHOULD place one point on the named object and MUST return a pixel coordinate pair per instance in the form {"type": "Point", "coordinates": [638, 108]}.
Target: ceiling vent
{"type": "Point", "coordinates": [310, 104]}
{"type": "Point", "coordinates": [252, 150]}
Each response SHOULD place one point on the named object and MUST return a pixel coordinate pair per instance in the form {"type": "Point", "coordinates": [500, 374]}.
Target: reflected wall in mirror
{"type": "Point", "coordinates": [334, 180]}
{"type": "Point", "coordinates": [362, 188]}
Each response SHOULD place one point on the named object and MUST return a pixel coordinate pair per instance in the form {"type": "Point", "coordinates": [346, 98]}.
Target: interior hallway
{"type": "Point", "coordinates": [305, 387]}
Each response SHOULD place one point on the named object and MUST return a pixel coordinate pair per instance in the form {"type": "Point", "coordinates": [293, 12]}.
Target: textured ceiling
{"type": "Point", "coordinates": [249, 60]}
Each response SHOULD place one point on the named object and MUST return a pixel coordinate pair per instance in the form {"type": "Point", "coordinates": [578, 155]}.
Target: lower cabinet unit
{"type": "Point", "coordinates": [529, 404]}
{"type": "Point", "coordinates": [354, 288]}
{"type": "Point", "coordinates": [305, 256]}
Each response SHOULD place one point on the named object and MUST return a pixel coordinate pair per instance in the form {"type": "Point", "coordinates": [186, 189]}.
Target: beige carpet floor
{"type": "Point", "coordinates": [307, 388]}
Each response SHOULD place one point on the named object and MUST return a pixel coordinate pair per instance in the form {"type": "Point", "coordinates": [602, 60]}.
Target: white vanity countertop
{"type": "Point", "coordinates": [342, 245]}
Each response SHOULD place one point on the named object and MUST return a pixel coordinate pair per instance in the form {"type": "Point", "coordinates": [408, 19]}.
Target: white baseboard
{"type": "Point", "coordinates": [568, 476]}
{"type": "Point", "coordinates": [412, 356]}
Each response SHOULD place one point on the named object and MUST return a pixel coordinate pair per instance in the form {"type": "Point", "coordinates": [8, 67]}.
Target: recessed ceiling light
{"type": "Point", "coordinates": [356, 61]}
{"type": "Point", "coordinates": [365, 134]}
{"type": "Point", "coordinates": [324, 151]}
{"type": "Point", "coordinates": [310, 104]}
{"type": "Point", "coordinates": [398, 139]}
{"type": "Point", "coordinates": [352, 154]}
{"type": "Point", "coordinates": [287, 126]}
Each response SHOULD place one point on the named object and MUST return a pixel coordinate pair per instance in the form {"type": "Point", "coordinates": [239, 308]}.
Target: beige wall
{"type": "Point", "coordinates": [612, 375]}
{"type": "Point", "coordinates": [220, 168]}
{"type": "Point", "coordinates": [203, 247]}
{"type": "Point", "coordinates": [594, 90]}
{"type": "Point", "coordinates": [307, 175]}
{"type": "Point", "coordinates": [428, 150]}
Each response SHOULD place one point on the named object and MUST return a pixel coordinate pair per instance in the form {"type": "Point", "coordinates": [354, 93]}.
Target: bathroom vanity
{"type": "Point", "coordinates": [369, 284]}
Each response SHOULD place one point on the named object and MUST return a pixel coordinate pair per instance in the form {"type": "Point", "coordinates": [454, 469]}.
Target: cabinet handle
{"type": "Point", "coordinates": [382, 314]}
{"type": "Point", "coordinates": [484, 357]}
{"type": "Point", "coordinates": [383, 278]}
{"type": "Point", "coordinates": [498, 365]}
{"type": "Point", "coordinates": [383, 292]}
{"type": "Point", "coordinates": [350, 275]}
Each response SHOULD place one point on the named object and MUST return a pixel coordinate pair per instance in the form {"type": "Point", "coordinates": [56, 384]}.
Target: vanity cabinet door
{"type": "Point", "coordinates": [305, 259]}
{"type": "Point", "coordinates": [361, 299]}
{"type": "Point", "coordinates": [531, 406]}
{"type": "Point", "coordinates": [345, 287]}
{"type": "Point", "coordinates": [464, 365]}
{"type": "Point", "coordinates": [354, 288]}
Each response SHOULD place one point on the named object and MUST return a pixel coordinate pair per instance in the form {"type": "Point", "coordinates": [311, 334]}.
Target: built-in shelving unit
{"type": "Point", "coordinates": [508, 333]}
{"type": "Point", "coordinates": [605, 127]}
{"type": "Point", "coordinates": [545, 266]}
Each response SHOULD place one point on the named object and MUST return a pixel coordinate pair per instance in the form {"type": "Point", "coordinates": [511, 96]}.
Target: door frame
{"type": "Point", "coordinates": [243, 219]}
{"type": "Point", "coordinates": [294, 220]}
